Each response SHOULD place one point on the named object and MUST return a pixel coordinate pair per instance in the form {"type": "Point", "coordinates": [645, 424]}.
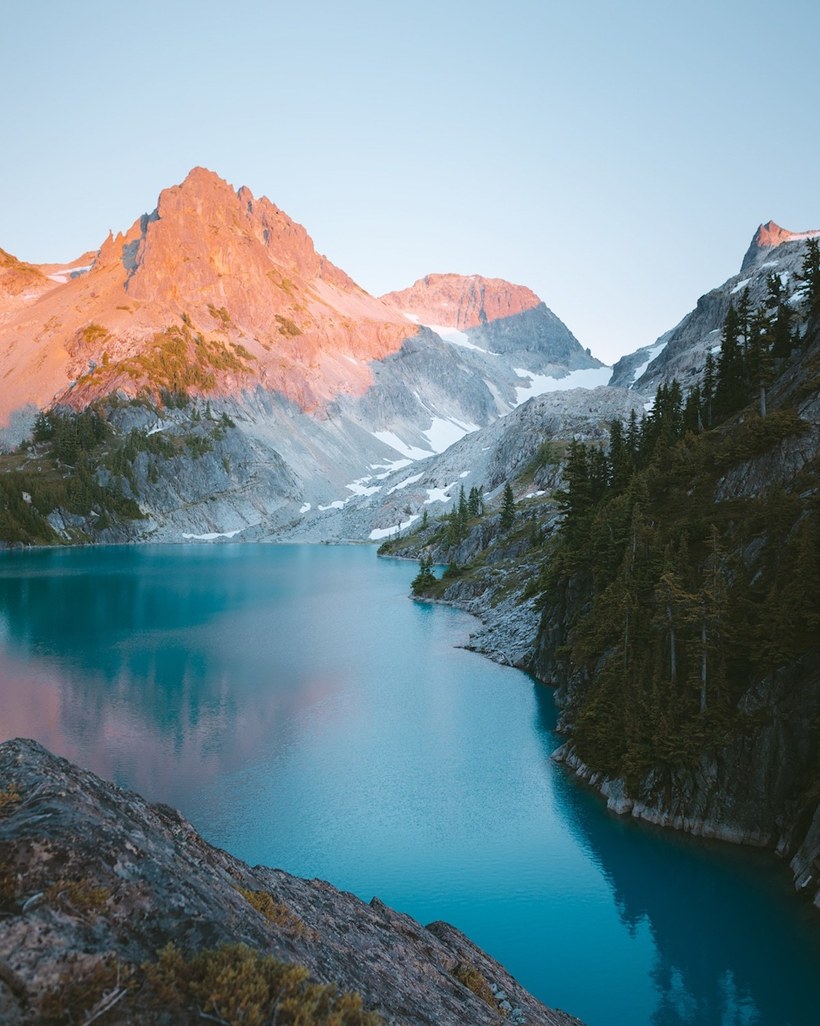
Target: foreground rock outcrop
{"type": "Point", "coordinates": [94, 881]}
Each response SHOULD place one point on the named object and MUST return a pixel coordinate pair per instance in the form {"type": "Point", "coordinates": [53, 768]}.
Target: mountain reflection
{"type": "Point", "coordinates": [704, 976]}
{"type": "Point", "coordinates": [142, 675]}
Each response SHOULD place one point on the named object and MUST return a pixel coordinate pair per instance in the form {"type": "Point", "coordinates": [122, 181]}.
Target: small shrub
{"type": "Point", "coordinates": [241, 986]}
{"type": "Point", "coordinates": [275, 911]}
{"type": "Point", "coordinates": [78, 897]}
{"type": "Point", "coordinates": [473, 980]}
{"type": "Point", "coordinates": [92, 333]}
{"type": "Point", "coordinates": [219, 313]}
{"type": "Point", "coordinates": [8, 799]}
{"type": "Point", "coordinates": [9, 886]}
{"type": "Point", "coordinates": [287, 327]}
{"type": "Point", "coordinates": [82, 990]}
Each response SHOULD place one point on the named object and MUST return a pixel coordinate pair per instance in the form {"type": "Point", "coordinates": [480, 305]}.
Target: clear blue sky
{"type": "Point", "coordinates": [615, 157]}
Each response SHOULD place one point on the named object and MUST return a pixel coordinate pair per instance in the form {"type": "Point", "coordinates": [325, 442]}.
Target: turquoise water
{"type": "Point", "coordinates": [303, 713]}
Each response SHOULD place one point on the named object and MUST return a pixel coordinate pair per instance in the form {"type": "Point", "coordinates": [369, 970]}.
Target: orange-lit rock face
{"type": "Point", "coordinates": [462, 301]}
{"type": "Point", "coordinates": [770, 234]}
{"type": "Point", "coordinates": [211, 263]}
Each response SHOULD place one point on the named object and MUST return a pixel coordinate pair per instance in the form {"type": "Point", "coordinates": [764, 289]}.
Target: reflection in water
{"type": "Point", "coordinates": [303, 713]}
{"type": "Point", "coordinates": [710, 917]}
{"type": "Point", "coordinates": [139, 671]}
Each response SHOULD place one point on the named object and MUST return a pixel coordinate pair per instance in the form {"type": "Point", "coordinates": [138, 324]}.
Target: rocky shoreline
{"type": "Point", "coordinates": [508, 636]}
{"type": "Point", "coordinates": [95, 881]}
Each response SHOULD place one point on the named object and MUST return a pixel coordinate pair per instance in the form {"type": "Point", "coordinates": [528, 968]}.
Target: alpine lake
{"type": "Point", "coordinates": [304, 713]}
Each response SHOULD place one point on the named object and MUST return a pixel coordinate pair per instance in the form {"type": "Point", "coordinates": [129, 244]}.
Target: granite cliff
{"type": "Point", "coordinates": [681, 352]}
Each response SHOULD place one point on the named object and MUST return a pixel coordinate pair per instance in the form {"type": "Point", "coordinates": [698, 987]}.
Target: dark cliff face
{"type": "Point", "coordinates": [94, 881]}
{"type": "Point", "coordinates": [741, 498]}
{"type": "Point", "coordinates": [752, 777]}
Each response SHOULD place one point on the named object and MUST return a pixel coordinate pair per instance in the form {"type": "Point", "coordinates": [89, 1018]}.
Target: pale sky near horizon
{"type": "Point", "coordinates": [614, 157]}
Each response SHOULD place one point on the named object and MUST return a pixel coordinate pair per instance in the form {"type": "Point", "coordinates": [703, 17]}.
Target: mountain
{"type": "Point", "coordinates": [494, 316]}
{"type": "Point", "coordinates": [112, 906]}
{"type": "Point", "coordinates": [511, 448]}
{"type": "Point", "coordinates": [770, 236]}
{"type": "Point", "coordinates": [260, 304]}
{"type": "Point", "coordinates": [681, 352]}
{"type": "Point", "coordinates": [255, 380]}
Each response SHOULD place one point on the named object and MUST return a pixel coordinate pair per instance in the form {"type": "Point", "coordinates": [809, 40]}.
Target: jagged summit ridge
{"type": "Point", "coordinates": [768, 236]}
{"type": "Point", "coordinates": [462, 301]}
{"type": "Point", "coordinates": [234, 269]}
{"type": "Point", "coordinates": [494, 316]}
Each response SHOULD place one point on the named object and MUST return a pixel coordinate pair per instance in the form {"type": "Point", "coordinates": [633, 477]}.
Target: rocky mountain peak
{"type": "Point", "coordinates": [229, 268]}
{"type": "Point", "coordinates": [462, 301]}
{"type": "Point", "coordinates": [220, 231]}
{"type": "Point", "coordinates": [767, 237]}
{"type": "Point", "coordinates": [16, 276]}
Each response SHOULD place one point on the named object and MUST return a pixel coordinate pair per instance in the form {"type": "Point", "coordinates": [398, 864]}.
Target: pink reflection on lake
{"type": "Point", "coordinates": [97, 724]}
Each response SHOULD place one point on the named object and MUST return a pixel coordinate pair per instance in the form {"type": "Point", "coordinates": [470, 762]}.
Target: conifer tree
{"type": "Point", "coordinates": [692, 417]}
{"type": "Point", "coordinates": [780, 316]}
{"type": "Point", "coordinates": [708, 389]}
{"type": "Point", "coordinates": [744, 314]}
{"type": "Point", "coordinates": [760, 367]}
{"type": "Point", "coordinates": [507, 507]}
{"type": "Point", "coordinates": [462, 512]}
{"type": "Point", "coordinates": [425, 577]}
{"type": "Point", "coordinates": [632, 435]}
{"type": "Point", "coordinates": [729, 392]}
{"type": "Point", "coordinates": [619, 462]}
{"type": "Point", "coordinates": [810, 275]}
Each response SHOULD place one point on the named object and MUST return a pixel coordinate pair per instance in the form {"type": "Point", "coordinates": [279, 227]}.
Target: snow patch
{"type": "Point", "coordinates": [446, 333]}
{"type": "Point", "coordinates": [336, 504]}
{"type": "Point", "coordinates": [439, 494]}
{"type": "Point", "coordinates": [650, 356]}
{"type": "Point", "coordinates": [539, 384]}
{"type": "Point", "coordinates": [403, 484]}
{"type": "Point", "coordinates": [361, 486]}
{"type": "Point", "coordinates": [389, 467]}
{"type": "Point", "coordinates": [740, 285]}
{"type": "Point", "coordinates": [464, 473]}
{"type": "Point", "coordinates": [61, 277]}
{"type": "Point", "coordinates": [454, 337]}
{"type": "Point", "coordinates": [305, 508]}
{"type": "Point", "coordinates": [211, 536]}
{"type": "Point", "coordinates": [384, 532]}
{"type": "Point", "coordinates": [443, 433]}
{"type": "Point", "coordinates": [393, 440]}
